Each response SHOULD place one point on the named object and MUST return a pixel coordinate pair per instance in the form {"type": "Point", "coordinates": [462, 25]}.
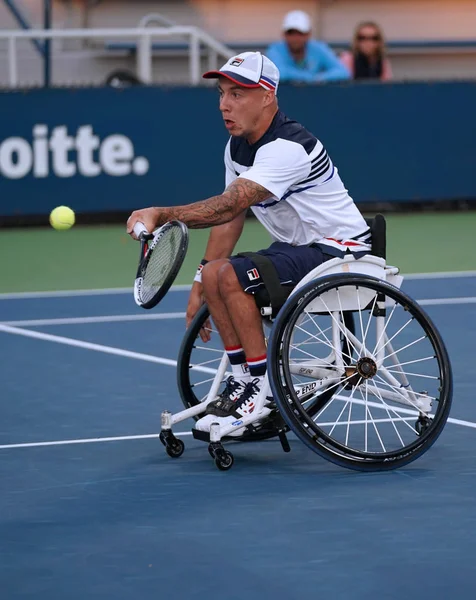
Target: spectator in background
{"type": "Point", "coordinates": [302, 60]}
{"type": "Point", "coordinates": [367, 59]}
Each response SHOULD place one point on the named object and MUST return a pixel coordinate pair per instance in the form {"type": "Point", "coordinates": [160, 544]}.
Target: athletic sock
{"type": "Point", "coordinates": [239, 367]}
{"type": "Point", "coordinates": [257, 368]}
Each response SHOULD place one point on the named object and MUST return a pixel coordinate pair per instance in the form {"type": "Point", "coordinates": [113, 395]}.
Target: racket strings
{"type": "Point", "coordinates": [160, 263]}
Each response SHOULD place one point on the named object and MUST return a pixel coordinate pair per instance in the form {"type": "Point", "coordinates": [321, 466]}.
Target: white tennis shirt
{"type": "Point", "coordinates": [310, 204]}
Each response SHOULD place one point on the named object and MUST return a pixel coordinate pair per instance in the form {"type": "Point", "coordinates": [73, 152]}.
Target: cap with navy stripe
{"type": "Point", "coordinates": [249, 69]}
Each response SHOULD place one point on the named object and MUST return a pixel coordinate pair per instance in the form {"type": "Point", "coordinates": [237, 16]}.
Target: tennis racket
{"type": "Point", "coordinates": [161, 256]}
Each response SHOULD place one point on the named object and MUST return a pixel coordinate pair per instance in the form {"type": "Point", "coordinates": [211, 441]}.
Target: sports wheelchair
{"type": "Point", "coordinates": [356, 370]}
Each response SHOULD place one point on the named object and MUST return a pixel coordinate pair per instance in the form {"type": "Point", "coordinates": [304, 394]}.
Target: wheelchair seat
{"type": "Point", "coordinates": [378, 229]}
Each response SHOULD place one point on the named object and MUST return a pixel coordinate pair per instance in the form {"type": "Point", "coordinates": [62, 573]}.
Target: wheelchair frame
{"type": "Point", "coordinates": [368, 266]}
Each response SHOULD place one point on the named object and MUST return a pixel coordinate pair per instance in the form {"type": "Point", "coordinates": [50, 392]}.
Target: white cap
{"type": "Point", "coordinates": [297, 19]}
{"type": "Point", "coordinates": [249, 69]}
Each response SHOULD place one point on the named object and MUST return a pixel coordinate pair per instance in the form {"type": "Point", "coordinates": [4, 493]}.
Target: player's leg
{"type": "Point", "coordinates": [237, 282]}
{"type": "Point", "coordinates": [235, 384]}
{"type": "Point", "coordinates": [242, 311]}
{"type": "Point", "coordinates": [236, 317]}
{"type": "Point", "coordinates": [221, 318]}
{"type": "Point", "coordinates": [215, 303]}
{"type": "Point", "coordinates": [219, 280]}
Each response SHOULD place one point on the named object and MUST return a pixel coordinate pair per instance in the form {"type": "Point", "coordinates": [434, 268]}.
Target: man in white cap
{"type": "Point", "coordinates": [276, 167]}
{"type": "Point", "coordinates": [302, 60]}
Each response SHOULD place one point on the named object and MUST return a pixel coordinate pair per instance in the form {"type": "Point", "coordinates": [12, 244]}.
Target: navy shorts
{"type": "Point", "coordinates": [292, 263]}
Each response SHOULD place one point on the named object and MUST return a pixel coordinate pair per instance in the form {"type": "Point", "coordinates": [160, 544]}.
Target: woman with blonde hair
{"type": "Point", "coordinates": [368, 60]}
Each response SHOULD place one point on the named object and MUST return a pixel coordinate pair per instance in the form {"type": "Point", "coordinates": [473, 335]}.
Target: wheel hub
{"type": "Point", "coordinates": [366, 367]}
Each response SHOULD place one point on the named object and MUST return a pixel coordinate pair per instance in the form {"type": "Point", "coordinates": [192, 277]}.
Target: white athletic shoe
{"type": "Point", "coordinates": [231, 411]}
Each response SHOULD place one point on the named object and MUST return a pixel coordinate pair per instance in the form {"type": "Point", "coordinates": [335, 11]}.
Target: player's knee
{"type": "Point", "coordinates": [227, 280]}
{"type": "Point", "coordinates": [210, 275]}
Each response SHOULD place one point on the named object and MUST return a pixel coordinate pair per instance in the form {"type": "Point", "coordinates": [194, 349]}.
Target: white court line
{"type": "Point", "coordinates": [96, 347]}
{"type": "Point", "coordinates": [404, 411]}
{"type": "Point", "coordinates": [439, 275]}
{"type": "Point", "coordinates": [181, 288]}
{"type": "Point", "coordinates": [89, 440]}
{"type": "Point", "coordinates": [179, 315]}
{"type": "Point", "coordinates": [147, 358]}
{"type": "Point", "coordinates": [69, 293]}
{"type": "Point", "coordinates": [101, 319]}
{"type": "Point", "coordinates": [441, 301]}
{"type": "Point", "coordinates": [137, 356]}
{"type": "Point", "coordinates": [145, 437]}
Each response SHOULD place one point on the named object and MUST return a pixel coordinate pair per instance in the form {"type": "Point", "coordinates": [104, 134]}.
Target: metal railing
{"type": "Point", "coordinates": [23, 23]}
{"type": "Point", "coordinates": [196, 39]}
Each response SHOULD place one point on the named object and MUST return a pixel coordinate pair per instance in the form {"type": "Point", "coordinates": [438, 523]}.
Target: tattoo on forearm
{"type": "Point", "coordinates": [238, 196]}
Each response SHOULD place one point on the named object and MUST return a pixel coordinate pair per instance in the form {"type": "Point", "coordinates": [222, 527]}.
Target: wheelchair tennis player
{"type": "Point", "coordinates": [280, 171]}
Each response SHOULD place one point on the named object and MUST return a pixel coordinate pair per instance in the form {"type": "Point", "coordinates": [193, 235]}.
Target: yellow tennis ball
{"type": "Point", "coordinates": [62, 217]}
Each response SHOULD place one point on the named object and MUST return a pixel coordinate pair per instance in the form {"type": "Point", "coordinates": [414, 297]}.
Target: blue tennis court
{"type": "Point", "coordinates": [92, 507]}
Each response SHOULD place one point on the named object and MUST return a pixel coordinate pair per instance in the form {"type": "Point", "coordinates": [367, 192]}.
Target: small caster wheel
{"type": "Point", "coordinates": [224, 460]}
{"type": "Point", "coordinates": [422, 424]}
{"type": "Point", "coordinates": [175, 448]}
{"type": "Point", "coordinates": [164, 436]}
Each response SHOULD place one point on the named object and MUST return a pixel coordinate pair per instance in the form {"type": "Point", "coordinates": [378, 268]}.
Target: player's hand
{"type": "Point", "coordinates": [149, 216]}
{"type": "Point", "coordinates": [195, 301]}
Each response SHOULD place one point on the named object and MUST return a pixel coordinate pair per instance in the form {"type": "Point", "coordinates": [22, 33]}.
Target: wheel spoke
{"type": "Point", "coordinates": [362, 422]}
{"type": "Point", "coordinates": [350, 415]}
{"type": "Point", "coordinates": [371, 312]}
{"type": "Point", "coordinates": [384, 331]}
{"type": "Point", "coordinates": [209, 349]}
{"type": "Point", "coordinates": [203, 382]}
{"type": "Point", "coordinates": [331, 400]}
{"type": "Point", "coordinates": [206, 362]}
{"type": "Point", "coordinates": [387, 410]}
{"type": "Point", "coordinates": [310, 338]}
{"type": "Point", "coordinates": [414, 374]}
{"type": "Point", "coordinates": [322, 361]}
{"type": "Point", "coordinates": [367, 409]}
{"type": "Point", "coordinates": [338, 418]}
{"type": "Point", "coordinates": [342, 329]}
{"type": "Point", "coordinates": [411, 362]}
{"type": "Point", "coordinates": [395, 352]}
{"type": "Point", "coordinates": [405, 399]}
{"type": "Point", "coordinates": [327, 343]}
{"type": "Point", "coordinates": [363, 347]}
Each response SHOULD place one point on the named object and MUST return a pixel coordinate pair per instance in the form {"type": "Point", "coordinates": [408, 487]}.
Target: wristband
{"type": "Point", "coordinates": [198, 274]}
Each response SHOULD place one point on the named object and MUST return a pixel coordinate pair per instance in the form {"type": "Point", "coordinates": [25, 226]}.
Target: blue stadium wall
{"type": "Point", "coordinates": [100, 150]}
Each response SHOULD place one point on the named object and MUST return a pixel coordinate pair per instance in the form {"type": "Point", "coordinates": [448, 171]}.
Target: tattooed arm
{"type": "Point", "coordinates": [237, 198]}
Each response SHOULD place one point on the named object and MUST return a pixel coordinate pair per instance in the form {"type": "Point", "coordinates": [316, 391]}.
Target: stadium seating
{"type": "Point", "coordinates": [422, 44]}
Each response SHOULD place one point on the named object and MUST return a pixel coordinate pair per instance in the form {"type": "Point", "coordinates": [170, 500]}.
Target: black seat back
{"type": "Point", "coordinates": [378, 228]}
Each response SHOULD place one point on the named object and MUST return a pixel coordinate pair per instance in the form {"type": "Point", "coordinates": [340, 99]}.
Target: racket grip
{"type": "Point", "coordinates": [139, 228]}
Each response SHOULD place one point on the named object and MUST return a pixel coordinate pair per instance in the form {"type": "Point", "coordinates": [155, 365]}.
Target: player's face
{"type": "Point", "coordinates": [241, 108]}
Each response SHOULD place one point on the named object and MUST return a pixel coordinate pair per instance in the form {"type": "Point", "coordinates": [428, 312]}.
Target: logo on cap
{"type": "Point", "coordinates": [236, 62]}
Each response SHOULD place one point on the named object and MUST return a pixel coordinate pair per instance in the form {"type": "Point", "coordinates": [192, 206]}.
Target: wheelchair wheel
{"type": "Point", "coordinates": [196, 368]}
{"type": "Point", "coordinates": [390, 382]}
{"type": "Point", "coordinates": [198, 361]}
